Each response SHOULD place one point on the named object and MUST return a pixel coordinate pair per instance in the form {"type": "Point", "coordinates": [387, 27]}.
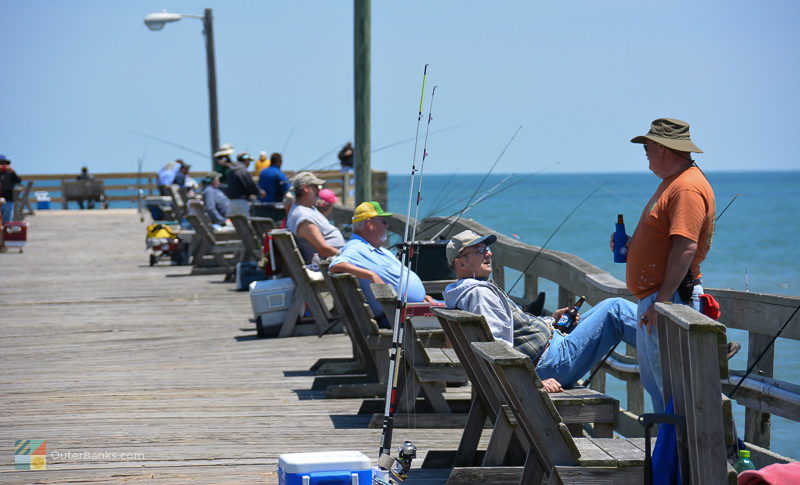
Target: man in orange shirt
{"type": "Point", "coordinates": [671, 240]}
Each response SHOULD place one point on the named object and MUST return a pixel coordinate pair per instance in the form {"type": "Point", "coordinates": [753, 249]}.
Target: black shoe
{"type": "Point", "coordinates": [536, 306]}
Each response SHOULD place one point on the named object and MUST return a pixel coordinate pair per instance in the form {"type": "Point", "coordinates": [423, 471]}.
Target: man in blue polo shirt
{"type": "Point", "coordinates": [363, 257]}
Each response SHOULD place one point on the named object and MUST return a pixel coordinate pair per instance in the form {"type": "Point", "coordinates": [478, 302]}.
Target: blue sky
{"type": "Point", "coordinates": [581, 77]}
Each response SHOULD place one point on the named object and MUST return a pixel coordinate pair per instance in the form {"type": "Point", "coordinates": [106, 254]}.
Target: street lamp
{"type": "Point", "coordinates": [156, 21]}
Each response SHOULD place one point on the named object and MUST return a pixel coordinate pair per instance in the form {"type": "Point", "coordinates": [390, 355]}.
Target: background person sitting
{"type": "Point", "coordinates": [365, 258]}
{"type": "Point", "coordinates": [325, 202]}
{"type": "Point", "coordinates": [216, 202]}
{"type": "Point", "coordinates": [314, 233]}
{"type": "Point", "coordinates": [84, 175]}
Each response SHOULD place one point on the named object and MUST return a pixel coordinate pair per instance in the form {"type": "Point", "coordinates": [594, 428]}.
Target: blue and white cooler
{"type": "Point", "coordinates": [325, 467]}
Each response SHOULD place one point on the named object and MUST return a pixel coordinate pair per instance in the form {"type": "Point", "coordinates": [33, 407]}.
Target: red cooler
{"type": "Point", "coordinates": [15, 234]}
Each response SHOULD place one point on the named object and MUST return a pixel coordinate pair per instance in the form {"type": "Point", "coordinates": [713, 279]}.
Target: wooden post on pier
{"type": "Point", "coordinates": [361, 65]}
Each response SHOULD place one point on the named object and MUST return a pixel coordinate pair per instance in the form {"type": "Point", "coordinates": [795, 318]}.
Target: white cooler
{"type": "Point", "coordinates": [328, 467]}
{"type": "Point", "coordinates": [271, 300]}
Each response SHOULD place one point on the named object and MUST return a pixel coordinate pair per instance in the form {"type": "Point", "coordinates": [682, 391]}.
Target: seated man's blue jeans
{"type": "Point", "coordinates": [570, 357]}
{"type": "Point", "coordinates": [647, 349]}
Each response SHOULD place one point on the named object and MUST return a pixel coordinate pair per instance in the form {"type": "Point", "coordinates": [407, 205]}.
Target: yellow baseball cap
{"type": "Point", "coordinates": [366, 210]}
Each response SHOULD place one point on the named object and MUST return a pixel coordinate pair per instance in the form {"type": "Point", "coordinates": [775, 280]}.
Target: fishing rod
{"type": "Point", "coordinates": [385, 460]}
{"type": "Point", "coordinates": [763, 353]}
{"type": "Point", "coordinates": [288, 139]}
{"type": "Point", "coordinates": [726, 207]}
{"type": "Point", "coordinates": [599, 365]}
{"type": "Point", "coordinates": [436, 201]}
{"type": "Point", "coordinates": [170, 143]}
{"type": "Point", "coordinates": [553, 234]}
{"type": "Point", "coordinates": [491, 169]}
{"type": "Point", "coordinates": [139, 192]}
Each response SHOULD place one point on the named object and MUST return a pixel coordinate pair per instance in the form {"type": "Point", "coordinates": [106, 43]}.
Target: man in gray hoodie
{"type": "Point", "coordinates": [560, 359]}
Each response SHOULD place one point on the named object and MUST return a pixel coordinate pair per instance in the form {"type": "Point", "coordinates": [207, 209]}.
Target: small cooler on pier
{"type": "Point", "coordinates": [328, 467]}
{"type": "Point", "coordinates": [15, 234]}
{"type": "Point", "coordinates": [271, 300]}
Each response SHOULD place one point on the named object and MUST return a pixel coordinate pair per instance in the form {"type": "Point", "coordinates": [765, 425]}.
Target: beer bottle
{"type": "Point", "coordinates": [567, 321]}
{"type": "Point", "coordinates": [620, 241]}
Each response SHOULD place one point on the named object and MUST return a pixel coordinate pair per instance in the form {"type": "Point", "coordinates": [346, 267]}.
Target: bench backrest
{"type": "Point", "coordinates": [462, 329]}
{"type": "Point", "coordinates": [525, 395]}
{"type": "Point", "coordinates": [693, 360]}
{"type": "Point", "coordinates": [180, 201]}
{"type": "Point", "coordinates": [357, 317]}
{"type": "Point", "coordinates": [201, 226]}
{"type": "Point", "coordinates": [81, 189]}
{"type": "Point", "coordinates": [251, 243]}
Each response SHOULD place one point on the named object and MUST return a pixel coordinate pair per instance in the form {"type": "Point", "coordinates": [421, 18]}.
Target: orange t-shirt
{"type": "Point", "coordinates": [683, 205]}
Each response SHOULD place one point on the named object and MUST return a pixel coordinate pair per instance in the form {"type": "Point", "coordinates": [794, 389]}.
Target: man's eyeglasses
{"type": "Point", "coordinates": [481, 250]}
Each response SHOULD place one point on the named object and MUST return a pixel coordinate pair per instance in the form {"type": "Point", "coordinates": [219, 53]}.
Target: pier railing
{"type": "Point", "coordinates": [761, 315]}
{"type": "Point", "coordinates": [124, 186]}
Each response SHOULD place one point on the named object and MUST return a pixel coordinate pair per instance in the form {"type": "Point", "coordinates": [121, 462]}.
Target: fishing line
{"type": "Point", "coordinates": [438, 198]}
{"type": "Point", "coordinates": [487, 197]}
{"type": "Point", "coordinates": [288, 139]}
{"type": "Point", "coordinates": [763, 352]}
{"type": "Point", "coordinates": [399, 316]}
{"type": "Point", "coordinates": [485, 177]}
{"type": "Point", "coordinates": [170, 143]}
{"type": "Point", "coordinates": [406, 140]}
{"type": "Point", "coordinates": [551, 237]}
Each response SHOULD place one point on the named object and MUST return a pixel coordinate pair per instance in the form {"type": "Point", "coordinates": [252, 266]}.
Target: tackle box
{"type": "Point", "coordinates": [328, 467]}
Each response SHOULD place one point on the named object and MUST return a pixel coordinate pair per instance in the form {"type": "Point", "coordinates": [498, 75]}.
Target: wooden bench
{"type": "Point", "coordinates": [80, 190]}
{"type": "Point", "coordinates": [577, 406]}
{"type": "Point", "coordinates": [553, 454]}
{"type": "Point", "coordinates": [693, 352]}
{"type": "Point", "coordinates": [308, 291]}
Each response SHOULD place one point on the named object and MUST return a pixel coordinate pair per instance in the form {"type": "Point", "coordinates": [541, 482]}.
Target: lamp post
{"type": "Point", "coordinates": [156, 21]}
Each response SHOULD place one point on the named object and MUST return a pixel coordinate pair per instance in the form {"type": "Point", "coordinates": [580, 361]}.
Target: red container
{"type": "Point", "coordinates": [15, 233]}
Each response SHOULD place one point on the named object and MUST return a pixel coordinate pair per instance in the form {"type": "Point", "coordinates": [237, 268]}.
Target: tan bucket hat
{"type": "Point", "coordinates": [671, 133]}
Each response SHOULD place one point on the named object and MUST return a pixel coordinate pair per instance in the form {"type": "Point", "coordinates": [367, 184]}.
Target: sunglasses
{"type": "Point", "coordinates": [482, 251]}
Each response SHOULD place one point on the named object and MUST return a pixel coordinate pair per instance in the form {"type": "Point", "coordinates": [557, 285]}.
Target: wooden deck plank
{"type": "Point", "coordinates": [103, 354]}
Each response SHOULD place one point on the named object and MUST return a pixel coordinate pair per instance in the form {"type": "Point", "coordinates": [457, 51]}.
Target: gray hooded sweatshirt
{"type": "Point", "coordinates": [484, 298]}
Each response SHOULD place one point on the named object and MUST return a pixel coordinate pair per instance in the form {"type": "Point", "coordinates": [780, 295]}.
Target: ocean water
{"type": "Point", "coordinates": [754, 246]}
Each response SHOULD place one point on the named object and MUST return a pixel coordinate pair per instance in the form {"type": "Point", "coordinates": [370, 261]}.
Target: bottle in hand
{"type": "Point", "coordinates": [620, 241]}
{"type": "Point", "coordinates": [567, 321]}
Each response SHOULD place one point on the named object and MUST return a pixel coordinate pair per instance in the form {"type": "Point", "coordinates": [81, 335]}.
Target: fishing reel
{"type": "Point", "coordinates": [395, 469]}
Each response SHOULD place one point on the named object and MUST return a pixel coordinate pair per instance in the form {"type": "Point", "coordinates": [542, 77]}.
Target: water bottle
{"type": "Point", "coordinates": [567, 321]}
{"type": "Point", "coordinates": [620, 242]}
{"type": "Point", "coordinates": [743, 463]}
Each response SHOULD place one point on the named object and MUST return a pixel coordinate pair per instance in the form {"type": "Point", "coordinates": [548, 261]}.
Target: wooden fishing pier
{"type": "Point", "coordinates": [139, 374]}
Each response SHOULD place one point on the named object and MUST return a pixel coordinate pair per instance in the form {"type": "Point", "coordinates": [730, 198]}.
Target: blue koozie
{"type": "Point", "coordinates": [620, 242]}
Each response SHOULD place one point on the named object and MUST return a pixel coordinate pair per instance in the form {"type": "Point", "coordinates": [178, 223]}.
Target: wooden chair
{"type": "Point", "coordinates": [693, 352]}
{"type": "Point", "coordinates": [180, 202]}
{"type": "Point", "coordinates": [577, 406]}
{"type": "Point", "coordinates": [211, 254]}
{"type": "Point", "coordinates": [252, 244]}
{"type": "Point", "coordinates": [371, 344]}
{"type": "Point", "coordinates": [357, 364]}
{"type": "Point", "coordinates": [553, 454]}
{"type": "Point", "coordinates": [308, 291]}
{"type": "Point", "coordinates": [425, 372]}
